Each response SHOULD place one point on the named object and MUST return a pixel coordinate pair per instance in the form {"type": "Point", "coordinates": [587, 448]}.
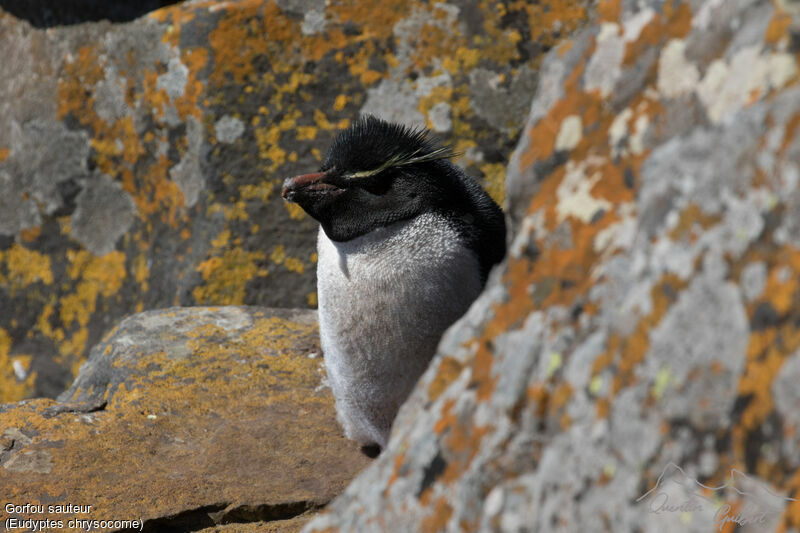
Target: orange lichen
{"type": "Point", "coordinates": [295, 211]}
{"type": "Point", "coordinates": [728, 517]}
{"type": "Point", "coordinates": [261, 191]}
{"type": "Point", "coordinates": [434, 41]}
{"type": "Point", "coordinates": [630, 350]}
{"type": "Point", "coordinates": [482, 372]}
{"type": "Point", "coordinates": [30, 234]}
{"type": "Point", "coordinates": [780, 291]}
{"type": "Point", "coordinates": [95, 276]}
{"type": "Point", "coordinates": [117, 146]}
{"type": "Point", "coordinates": [92, 278]}
{"type": "Point", "coordinates": [376, 18]}
{"type": "Point", "coordinates": [440, 94]}
{"type": "Point", "coordinates": [463, 440]}
{"type": "Point", "coordinates": [44, 325]}
{"type": "Point", "coordinates": [678, 21]}
{"type": "Point", "coordinates": [195, 59]}
{"type": "Point", "coordinates": [359, 65]}
{"type": "Point", "coordinates": [84, 71]}
{"type": "Point", "coordinates": [538, 398]}
{"type": "Point", "coordinates": [790, 133]}
{"type": "Point", "coordinates": [278, 254]}
{"type": "Point", "coordinates": [24, 267]}
{"type": "Point", "coordinates": [447, 418]}
{"type": "Point", "coordinates": [559, 398]}
{"type": "Point", "coordinates": [675, 22]}
{"type": "Point", "coordinates": [340, 102]}
{"type": "Point", "coordinates": [691, 220]}
{"type": "Point", "coordinates": [542, 137]}
{"type": "Point", "coordinates": [603, 407]}
{"type": "Point", "coordinates": [609, 10]}
{"type": "Point", "coordinates": [294, 264]}
{"type": "Point", "coordinates": [268, 141]}
{"type": "Point", "coordinates": [11, 387]}
{"type": "Point", "coordinates": [155, 192]}
{"type": "Point", "coordinates": [237, 40]}
{"type": "Point", "coordinates": [399, 461]}
{"type": "Point", "coordinates": [437, 520]}
{"type": "Point", "coordinates": [778, 27]}
{"type": "Point", "coordinates": [141, 272]}
{"type": "Point", "coordinates": [766, 353]}
{"type": "Point", "coordinates": [449, 369]}
{"type": "Point", "coordinates": [178, 16]}
{"type": "Point", "coordinates": [544, 17]}
{"type": "Point", "coordinates": [226, 276]}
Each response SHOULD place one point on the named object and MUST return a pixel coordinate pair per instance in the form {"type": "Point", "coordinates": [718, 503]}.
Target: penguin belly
{"type": "Point", "coordinates": [385, 299]}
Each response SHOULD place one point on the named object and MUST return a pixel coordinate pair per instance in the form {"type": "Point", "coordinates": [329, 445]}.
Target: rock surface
{"type": "Point", "coordinates": [140, 162]}
{"type": "Point", "coordinates": [184, 418]}
{"type": "Point", "coordinates": [643, 336]}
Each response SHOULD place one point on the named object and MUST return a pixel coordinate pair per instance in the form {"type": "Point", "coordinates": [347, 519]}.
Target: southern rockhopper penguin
{"type": "Point", "coordinates": [406, 242]}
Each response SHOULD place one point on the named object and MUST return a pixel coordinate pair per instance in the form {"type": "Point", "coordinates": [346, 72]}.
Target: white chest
{"type": "Point", "coordinates": [399, 281]}
{"type": "Point", "coordinates": [384, 301]}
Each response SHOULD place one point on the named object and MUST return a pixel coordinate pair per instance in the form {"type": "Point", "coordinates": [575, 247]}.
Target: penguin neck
{"type": "Point", "coordinates": [405, 237]}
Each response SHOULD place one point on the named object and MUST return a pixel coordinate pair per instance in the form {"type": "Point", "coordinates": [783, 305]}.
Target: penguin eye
{"type": "Point", "coordinates": [377, 187]}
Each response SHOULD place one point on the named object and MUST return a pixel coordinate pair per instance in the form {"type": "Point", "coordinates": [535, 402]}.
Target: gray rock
{"type": "Point", "coordinates": [621, 357]}
{"type": "Point", "coordinates": [104, 213]}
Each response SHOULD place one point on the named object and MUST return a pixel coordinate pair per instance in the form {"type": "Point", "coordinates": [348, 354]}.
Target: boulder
{"type": "Point", "coordinates": [633, 364]}
{"type": "Point", "coordinates": [141, 161]}
{"type": "Point", "coordinates": [183, 419]}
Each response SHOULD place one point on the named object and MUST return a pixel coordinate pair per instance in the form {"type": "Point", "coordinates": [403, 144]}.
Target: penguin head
{"type": "Point", "coordinates": [374, 174]}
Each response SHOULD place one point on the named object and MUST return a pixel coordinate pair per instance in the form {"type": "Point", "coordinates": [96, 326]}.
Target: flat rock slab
{"type": "Point", "coordinates": [184, 418]}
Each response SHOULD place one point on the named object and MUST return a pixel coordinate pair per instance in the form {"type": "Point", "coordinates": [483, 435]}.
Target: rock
{"type": "Point", "coordinates": [141, 160]}
{"type": "Point", "coordinates": [185, 418]}
{"type": "Point", "coordinates": [643, 336]}
{"type": "Point", "coordinates": [292, 525]}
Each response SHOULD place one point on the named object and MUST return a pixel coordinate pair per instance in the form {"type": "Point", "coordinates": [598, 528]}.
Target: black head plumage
{"type": "Point", "coordinates": [371, 146]}
{"type": "Point", "coordinates": [377, 173]}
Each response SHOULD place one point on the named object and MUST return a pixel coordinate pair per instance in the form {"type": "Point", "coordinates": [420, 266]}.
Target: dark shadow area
{"type": "Point", "coordinates": [49, 13]}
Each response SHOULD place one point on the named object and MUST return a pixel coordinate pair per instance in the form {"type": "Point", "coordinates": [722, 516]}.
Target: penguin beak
{"type": "Point", "coordinates": [304, 185]}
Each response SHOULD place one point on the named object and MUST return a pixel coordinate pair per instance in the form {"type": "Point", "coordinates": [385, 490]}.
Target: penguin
{"type": "Point", "coordinates": [405, 245]}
